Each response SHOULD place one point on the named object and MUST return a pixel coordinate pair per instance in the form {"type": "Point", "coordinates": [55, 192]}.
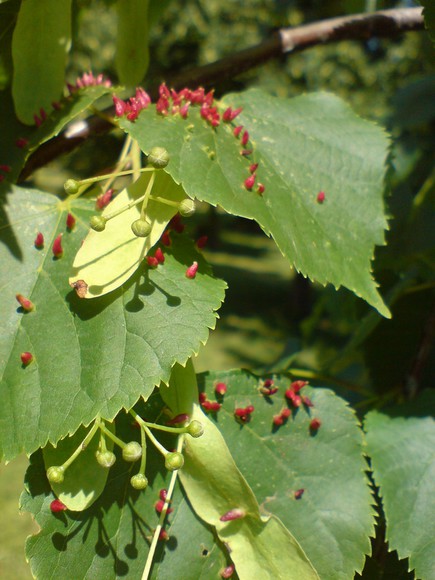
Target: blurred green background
{"type": "Point", "coordinates": [271, 315]}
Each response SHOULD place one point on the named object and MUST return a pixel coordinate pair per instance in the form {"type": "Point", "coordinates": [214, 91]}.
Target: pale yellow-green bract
{"type": "Point", "coordinates": [109, 258]}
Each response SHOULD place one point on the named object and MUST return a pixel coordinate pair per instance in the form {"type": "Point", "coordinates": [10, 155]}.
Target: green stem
{"type": "Point", "coordinates": [165, 201]}
{"type": "Point", "coordinates": [122, 162]}
{"type": "Point", "coordinates": [147, 195]}
{"type": "Point", "coordinates": [111, 436]}
{"type": "Point", "coordinates": [143, 460]}
{"type": "Point", "coordinates": [150, 558]}
{"type": "Point", "coordinates": [155, 442]}
{"type": "Point", "coordinates": [91, 180]}
{"type": "Point", "coordinates": [82, 445]}
{"type": "Point", "coordinates": [134, 202]}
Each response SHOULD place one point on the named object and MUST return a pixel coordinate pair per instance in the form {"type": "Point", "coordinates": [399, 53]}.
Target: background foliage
{"type": "Point", "coordinates": [289, 322]}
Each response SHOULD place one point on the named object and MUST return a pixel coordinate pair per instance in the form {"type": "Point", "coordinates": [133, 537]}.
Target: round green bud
{"type": "Point", "coordinates": [187, 207]}
{"type": "Point", "coordinates": [195, 429]}
{"type": "Point", "coordinates": [71, 186]}
{"type": "Point", "coordinates": [105, 458]}
{"type": "Point", "coordinates": [132, 451]}
{"type": "Point", "coordinates": [141, 228]}
{"type": "Point", "coordinates": [98, 223]}
{"type": "Point", "coordinates": [174, 461]}
{"type": "Point", "coordinates": [55, 474]}
{"type": "Point", "coordinates": [139, 481]}
{"type": "Point", "coordinates": [158, 157]}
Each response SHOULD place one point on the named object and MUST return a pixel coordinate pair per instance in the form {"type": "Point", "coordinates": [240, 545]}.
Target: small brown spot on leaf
{"type": "Point", "coordinates": [80, 287]}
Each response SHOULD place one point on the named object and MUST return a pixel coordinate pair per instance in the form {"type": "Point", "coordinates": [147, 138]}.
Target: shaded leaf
{"type": "Point", "coordinates": [400, 443]}
{"type": "Point", "coordinates": [132, 52]}
{"type": "Point", "coordinates": [260, 547]}
{"type": "Point", "coordinates": [108, 258]}
{"type": "Point", "coordinates": [85, 478]}
{"type": "Point", "coordinates": [303, 146]}
{"type": "Point", "coordinates": [90, 356]}
{"type": "Point", "coordinates": [333, 519]}
{"type": "Point", "coordinates": [429, 17]}
{"type": "Point", "coordinates": [40, 44]}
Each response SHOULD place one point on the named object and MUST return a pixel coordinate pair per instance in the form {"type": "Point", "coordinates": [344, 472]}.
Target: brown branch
{"type": "Point", "coordinates": [286, 41]}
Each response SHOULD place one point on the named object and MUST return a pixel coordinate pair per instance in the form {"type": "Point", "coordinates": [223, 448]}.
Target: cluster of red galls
{"type": "Point", "coordinates": [178, 103]}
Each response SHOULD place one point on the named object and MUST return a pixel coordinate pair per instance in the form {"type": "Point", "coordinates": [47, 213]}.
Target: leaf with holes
{"type": "Point", "coordinates": [401, 443]}
{"type": "Point", "coordinates": [90, 356]}
{"type": "Point", "coordinates": [303, 146]}
{"type": "Point", "coordinates": [313, 480]}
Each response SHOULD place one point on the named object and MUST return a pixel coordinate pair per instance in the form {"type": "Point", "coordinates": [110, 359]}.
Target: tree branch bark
{"type": "Point", "coordinates": [286, 41]}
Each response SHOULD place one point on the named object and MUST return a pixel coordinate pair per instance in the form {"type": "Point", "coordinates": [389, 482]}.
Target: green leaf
{"type": "Point", "coordinates": [132, 51]}
{"type": "Point", "coordinates": [400, 443]}
{"type": "Point", "coordinates": [91, 356]}
{"type": "Point", "coordinates": [303, 146]}
{"type": "Point", "coordinates": [260, 546]}
{"type": "Point", "coordinates": [85, 478]}
{"type": "Point", "coordinates": [333, 519]}
{"type": "Point", "coordinates": [111, 539]}
{"type": "Point", "coordinates": [40, 45]}
{"type": "Point", "coordinates": [429, 17]}
{"type": "Point", "coordinates": [108, 258]}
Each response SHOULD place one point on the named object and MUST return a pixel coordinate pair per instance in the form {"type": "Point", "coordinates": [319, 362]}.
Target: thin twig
{"type": "Point", "coordinates": [286, 41]}
{"type": "Point", "coordinates": [412, 382]}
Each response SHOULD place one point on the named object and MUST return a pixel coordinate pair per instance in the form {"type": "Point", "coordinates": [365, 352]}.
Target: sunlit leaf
{"type": "Point", "coordinates": [303, 146]}
{"type": "Point", "coordinates": [108, 258]}
{"type": "Point", "coordinates": [90, 356]}
{"type": "Point", "coordinates": [260, 547]}
{"type": "Point", "coordinates": [333, 518]}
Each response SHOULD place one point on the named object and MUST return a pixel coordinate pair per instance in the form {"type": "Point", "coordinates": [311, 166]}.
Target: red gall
{"type": "Point", "coordinates": [166, 238]}
{"type": "Point", "coordinates": [176, 224]}
{"type": "Point", "coordinates": [104, 199]}
{"type": "Point", "coordinates": [296, 386]}
{"type": "Point", "coordinates": [56, 105]}
{"type": "Point", "coordinates": [201, 242]}
{"type": "Point", "coordinates": [234, 514]}
{"type": "Point", "coordinates": [246, 152]}
{"type": "Point", "coordinates": [181, 418]}
{"type": "Point", "coordinates": [163, 536]}
{"type": "Point", "coordinates": [26, 304]}
{"type": "Point", "coordinates": [260, 188]}
{"type": "Point", "coordinates": [57, 506]}
{"type": "Point", "coordinates": [57, 247]}
{"type": "Point", "coordinates": [278, 420]}
{"type": "Point", "coordinates": [299, 493]}
{"type": "Point", "coordinates": [293, 398]}
{"type": "Point", "coordinates": [249, 182]}
{"type": "Point", "coordinates": [211, 406]}
{"type": "Point", "coordinates": [315, 424]}
{"type": "Point", "coordinates": [39, 241]}
{"type": "Point", "coordinates": [21, 142]}
{"type": "Point", "coordinates": [70, 221]}
{"type": "Point", "coordinates": [253, 167]}
{"type": "Point", "coordinates": [237, 130]}
{"type": "Point", "coordinates": [26, 358]}
{"type": "Point", "coordinates": [230, 114]}
{"type": "Point", "coordinates": [42, 114]}
{"type": "Point", "coordinates": [202, 397]}
{"type": "Point", "coordinates": [320, 197]}
{"type": "Point", "coordinates": [5, 168]}
{"type": "Point", "coordinates": [159, 255]}
{"type": "Point", "coordinates": [159, 505]}
{"type": "Point", "coordinates": [220, 389]}
{"type": "Point", "coordinates": [245, 138]}
{"type": "Point", "coordinates": [227, 572]}
{"type": "Point", "coordinates": [163, 494]}
{"type": "Point", "coordinates": [192, 270]}
{"type": "Point", "coordinates": [307, 401]}
{"type": "Point", "coordinates": [152, 261]}
{"type": "Point", "coordinates": [286, 413]}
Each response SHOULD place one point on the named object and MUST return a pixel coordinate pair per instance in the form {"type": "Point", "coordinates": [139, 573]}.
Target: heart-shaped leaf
{"type": "Point", "coordinates": [303, 146]}
{"type": "Point", "coordinates": [90, 356]}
